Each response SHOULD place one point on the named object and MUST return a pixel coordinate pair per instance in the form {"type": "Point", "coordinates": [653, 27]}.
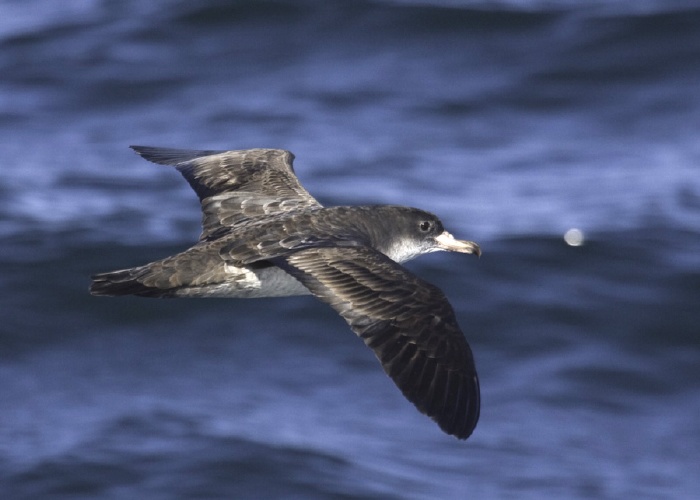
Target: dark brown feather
{"type": "Point", "coordinates": [407, 322]}
{"type": "Point", "coordinates": [236, 186]}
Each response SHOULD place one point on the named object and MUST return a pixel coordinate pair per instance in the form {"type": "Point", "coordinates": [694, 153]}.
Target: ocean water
{"type": "Point", "coordinates": [515, 121]}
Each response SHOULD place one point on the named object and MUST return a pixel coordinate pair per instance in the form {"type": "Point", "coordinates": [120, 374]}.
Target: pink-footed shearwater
{"type": "Point", "coordinates": [264, 235]}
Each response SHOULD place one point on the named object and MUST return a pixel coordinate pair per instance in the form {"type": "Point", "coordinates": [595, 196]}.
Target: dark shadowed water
{"type": "Point", "coordinates": [515, 121]}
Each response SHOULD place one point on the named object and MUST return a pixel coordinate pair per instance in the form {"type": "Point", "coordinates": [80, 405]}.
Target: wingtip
{"type": "Point", "coordinates": [149, 153]}
{"type": "Point", "coordinates": [170, 156]}
{"type": "Point", "coordinates": [137, 149]}
{"type": "Point", "coordinates": [162, 156]}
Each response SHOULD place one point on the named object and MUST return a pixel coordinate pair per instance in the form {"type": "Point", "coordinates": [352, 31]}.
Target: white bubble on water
{"type": "Point", "coordinates": [574, 237]}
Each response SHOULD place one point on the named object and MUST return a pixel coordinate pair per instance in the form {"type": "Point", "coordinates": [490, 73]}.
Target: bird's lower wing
{"type": "Point", "coordinates": [407, 322]}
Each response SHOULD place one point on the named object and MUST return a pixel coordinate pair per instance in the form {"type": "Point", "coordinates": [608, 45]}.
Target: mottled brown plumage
{"type": "Point", "coordinates": [236, 186]}
{"type": "Point", "coordinates": [265, 235]}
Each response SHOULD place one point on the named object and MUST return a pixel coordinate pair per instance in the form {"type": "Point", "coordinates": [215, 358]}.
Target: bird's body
{"type": "Point", "coordinates": [265, 236]}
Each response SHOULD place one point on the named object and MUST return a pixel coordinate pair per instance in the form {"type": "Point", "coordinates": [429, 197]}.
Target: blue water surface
{"type": "Point", "coordinates": [515, 121]}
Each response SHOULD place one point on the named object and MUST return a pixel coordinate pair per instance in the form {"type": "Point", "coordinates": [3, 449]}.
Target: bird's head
{"type": "Point", "coordinates": [411, 232]}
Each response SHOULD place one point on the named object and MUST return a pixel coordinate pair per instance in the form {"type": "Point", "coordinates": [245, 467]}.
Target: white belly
{"type": "Point", "coordinates": [246, 283]}
{"type": "Point", "coordinates": [273, 282]}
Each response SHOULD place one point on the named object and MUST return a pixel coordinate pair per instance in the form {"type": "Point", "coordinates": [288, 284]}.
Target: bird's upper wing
{"type": "Point", "coordinates": [407, 322]}
{"type": "Point", "coordinates": [236, 186]}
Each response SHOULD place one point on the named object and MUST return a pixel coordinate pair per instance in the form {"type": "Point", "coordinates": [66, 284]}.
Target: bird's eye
{"type": "Point", "coordinates": [425, 226]}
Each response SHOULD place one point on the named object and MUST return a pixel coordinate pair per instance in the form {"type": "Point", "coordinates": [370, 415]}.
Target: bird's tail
{"type": "Point", "coordinates": [127, 282]}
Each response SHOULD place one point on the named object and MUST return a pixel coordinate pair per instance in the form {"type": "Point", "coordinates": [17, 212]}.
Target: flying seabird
{"type": "Point", "coordinates": [264, 235]}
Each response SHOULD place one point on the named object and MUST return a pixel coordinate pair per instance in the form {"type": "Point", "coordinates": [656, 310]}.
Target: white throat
{"type": "Point", "coordinates": [404, 250]}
